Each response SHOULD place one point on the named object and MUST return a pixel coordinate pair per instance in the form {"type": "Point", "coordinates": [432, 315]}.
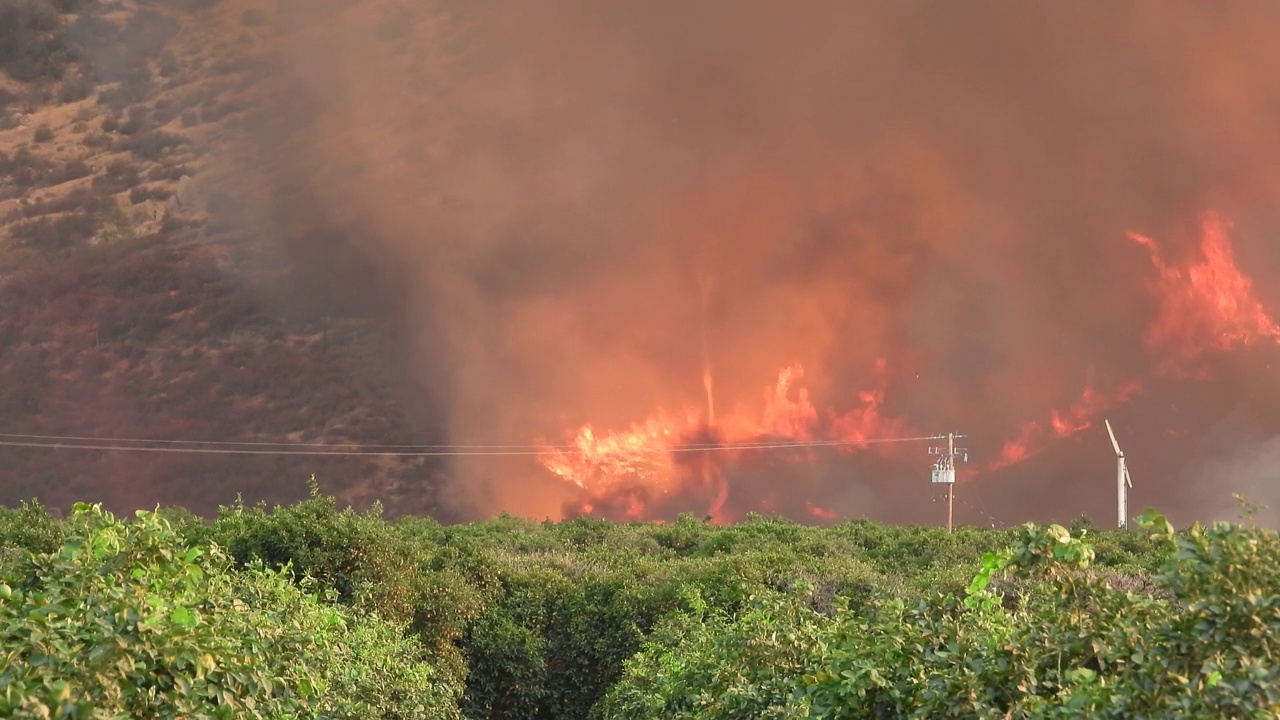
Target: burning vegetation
{"type": "Point", "coordinates": [1207, 307]}
{"type": "Point", "coordinates": [708, 258]}
{"type": "Point", "coordinates": [723, 258]}
{"type": "Point", "coordinates": [688, 454]}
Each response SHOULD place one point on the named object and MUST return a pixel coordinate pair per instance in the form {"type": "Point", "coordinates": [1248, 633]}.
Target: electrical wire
{"type": "Point", "coordinates": [252, 451]}
{"type": "Point", "coordinates": [410, 446]}
{"type": "Point", "coordinates": [259, 443]}
{"type": "Point", "coordinates": [994, 522]}
{"type": "Point", "coordinates": [53, 442]}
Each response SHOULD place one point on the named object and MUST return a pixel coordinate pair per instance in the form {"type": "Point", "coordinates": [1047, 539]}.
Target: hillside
{"type": "Point", "coordinates": [136, 301]}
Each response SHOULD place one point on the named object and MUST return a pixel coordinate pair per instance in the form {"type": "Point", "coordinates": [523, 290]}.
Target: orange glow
{"type": "Point", "coordinates": [866, 422]}
{"type": "Point", "coordinates": [784, 417]}
{"type": "Point", "coordinates": [1081, 415]}
{"type": "Point", "coordinates": [820, 513]}
{"type": "Point", "coordinates": [1207, 306]}
{"type": "Point", "coordinates": [642, 452]}
{"type": "Point", "coordinates": [671, 452]}
{"type": "Point", "coordinates": [1014, 451]}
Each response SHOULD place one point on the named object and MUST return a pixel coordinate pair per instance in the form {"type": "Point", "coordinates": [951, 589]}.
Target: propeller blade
{"type": "Point", "coordinates": [1110, 432]}
{"type": "Point", "coordinates": [1127, 480]}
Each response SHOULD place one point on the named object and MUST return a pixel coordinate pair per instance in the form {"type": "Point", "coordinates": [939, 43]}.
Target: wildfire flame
{"type": "Point", "coordinates": [1081, 415]}
{"type": "Point", "coordinates": [819, 512]}
{"type": "Point", "coordinates": [640, 462]}
{"type": "Point", "coordinates": [642, 452]}
{"type": "Point", "coordinates": [1206, 306]}
{"type": "Point", "coordinates": [866, 422]}
{"type": "Point", "coordinates": [784, 417]}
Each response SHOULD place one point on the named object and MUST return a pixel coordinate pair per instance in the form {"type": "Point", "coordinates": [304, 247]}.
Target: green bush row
{"type": "Point", "coordinates": [128, 620]}
{"type": "Point", "coordinates": [511, 618]}
{"type": "Point", "coordinates": [1069, 646]}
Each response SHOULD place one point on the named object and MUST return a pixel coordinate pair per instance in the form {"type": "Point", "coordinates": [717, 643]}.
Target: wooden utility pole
{"type": "Point", "coordinates": [944, 471]}
{"type": "Point", "coordinates": [951, 486]}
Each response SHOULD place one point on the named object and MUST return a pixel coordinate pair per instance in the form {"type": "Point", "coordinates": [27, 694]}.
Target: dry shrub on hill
{"type": "Point", "coordinates": [32, 46]}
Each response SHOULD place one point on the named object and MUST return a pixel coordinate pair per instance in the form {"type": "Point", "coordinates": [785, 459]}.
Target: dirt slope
{"type": "Point", "coordinates": [137, 302]}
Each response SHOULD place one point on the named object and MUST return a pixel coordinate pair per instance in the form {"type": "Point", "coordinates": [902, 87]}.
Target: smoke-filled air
{"type": "Point", "coordinates": [661, 242]}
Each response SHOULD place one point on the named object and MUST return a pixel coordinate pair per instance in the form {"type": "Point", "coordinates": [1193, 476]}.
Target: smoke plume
{"type": "Point", "coordinates": [569, 207]}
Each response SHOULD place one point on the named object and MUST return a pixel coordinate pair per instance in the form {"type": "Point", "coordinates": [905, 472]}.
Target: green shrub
{"type": "Point", "coordinates": [507, 663]}
{"type": "Point", "coordinates": [134, 122]}
{"type": "Point", "coordinates": [97, 141]}
{"type": "Point", "coordinates": [710, 665]}
{"type": "Point", "coordinates": [73, 169]}
{"type": "Point", "coordinates": [75, 88]}
{"type": "Point", "coordinates": [30, 527]}
{"type": "Point", "coordinates": [1073, 643]}
{"type": "Point", "coordinates": [510, 618]}
{"type": "Point", "coordinates": [361, 559]}
{"type": "Point", "coordinates": [167, 64]}
{"type": "Point", "coordinates": [139, 194]}
{"type": "Point", "coordinates": [126, 620]}
{"type": "Point", "coordinates": [153, 144]}
{"type": "Point", "coordinates": [24, 168]}
{"type": "Point", "coordinates": [78, 199]}
{"type": "Point", "coordinates": [1075, 647]}
{"type": "Point", "coordinates": [375, 671]}
{"type": "Point", "coordinates": [341, 549]}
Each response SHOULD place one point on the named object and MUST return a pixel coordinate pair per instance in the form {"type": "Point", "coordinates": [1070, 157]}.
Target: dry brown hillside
{"type": "Point", "coordinates": [137, 300]}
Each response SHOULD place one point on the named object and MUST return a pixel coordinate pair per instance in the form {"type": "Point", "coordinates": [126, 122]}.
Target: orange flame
{"type": "Point", "coordinates": [1081, 415]}
{"type": "Point", "coordinates": [1208, 306]}
{"type": "Point", "coordinates": [643, 457]}
{"type": "Point", "coordinates": [1015, 451]}
{"type": "Point", "coordinates": [642, 452]}
{"type": "Point", "coordinates": [866, 422]}
{"type": "Point", "coordinates": [783, 416]}
{"type": "Point", "coordinates": [820, 513]}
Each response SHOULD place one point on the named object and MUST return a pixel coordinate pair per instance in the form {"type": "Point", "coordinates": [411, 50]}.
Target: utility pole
{"type": "Point", "coordinates": [944, 471]}
{"type": "Point", "coordinates": [951, 486]}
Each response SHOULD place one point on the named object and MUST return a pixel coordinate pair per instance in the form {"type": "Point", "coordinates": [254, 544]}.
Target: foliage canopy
{"type": "Point", "coordinates": [310, 610]}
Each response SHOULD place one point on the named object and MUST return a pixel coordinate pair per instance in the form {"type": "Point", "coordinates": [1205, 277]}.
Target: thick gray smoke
{"type": "Point", "coordinates": [541, 190]}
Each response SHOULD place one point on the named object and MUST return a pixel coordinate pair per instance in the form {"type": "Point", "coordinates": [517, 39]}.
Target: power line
{"type": "Point", "coordinates": [994, 521]}
{"type": "Point", "coordinates": [687, 447]}
{"type": "Point", "coordinates": [252, 451]}
{"type": "Point", "coordinates": [100, 444]}
{"type": "Point", "coordinates": [259, 443]}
